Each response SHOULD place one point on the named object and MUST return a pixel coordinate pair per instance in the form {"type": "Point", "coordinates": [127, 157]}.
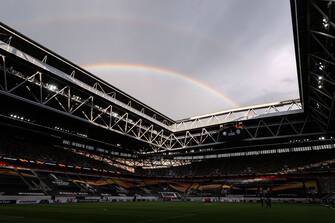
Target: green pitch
{"type": "Point", "coordinates": [172, 212]}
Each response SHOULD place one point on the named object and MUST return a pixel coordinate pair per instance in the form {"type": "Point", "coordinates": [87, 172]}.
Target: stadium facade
{"type": "Point", "coordinates": [67, 132]}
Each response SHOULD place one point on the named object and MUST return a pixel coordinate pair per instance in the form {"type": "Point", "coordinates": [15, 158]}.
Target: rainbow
{"type": "Point", "coordinates": [140, 68]}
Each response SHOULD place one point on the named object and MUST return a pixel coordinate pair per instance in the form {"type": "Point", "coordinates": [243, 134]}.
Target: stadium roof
{"type": "Point", "coordinates": [189, 59]}
{"type": "Point", "coordinates": [47, 85]}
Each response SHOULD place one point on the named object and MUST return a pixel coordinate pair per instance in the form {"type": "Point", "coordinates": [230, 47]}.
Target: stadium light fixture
{"type": "Point", "coordinates": [18, 117]}
{"type": "Point", "coordinates": [325, 23]}
{"type": "Point", "coordinates": [75, 97]}
{"type": "Point", "coordinates": [321, 66]}
{"type": "Point", "coordinates": [320, 78]}
{"type": "Point", "coordinates": [52, 87]}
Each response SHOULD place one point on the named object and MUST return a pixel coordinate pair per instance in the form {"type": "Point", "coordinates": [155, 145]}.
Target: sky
{"type": "Point", "coordinates": [181, 57]}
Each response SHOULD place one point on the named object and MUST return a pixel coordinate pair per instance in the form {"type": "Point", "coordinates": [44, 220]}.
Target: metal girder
{"type": "Point", "coordinates": [320, 45]}
{"type": "Point", "coordinates": [240, 114]}
{"type": "Point", "coordinates": [99, 105]}
{"type": "Point", "coordinates": [67, 98]}
{"type": "Point", "coordinates": [195, 122]}
{"type": "Point", "coordinates": [261, 129]}
{"type": "Point", "coordinates": [66, 77]}
{"type": "Point", "coordinates": [50, 58]}
{"type": "Point", "coordinates": [87, 108]}
{"type": "Point", "coordinates": [15, 39]}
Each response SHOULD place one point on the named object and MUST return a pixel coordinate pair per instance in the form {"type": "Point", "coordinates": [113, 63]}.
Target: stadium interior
{"type": "Point", "coordinates": [69, 136]}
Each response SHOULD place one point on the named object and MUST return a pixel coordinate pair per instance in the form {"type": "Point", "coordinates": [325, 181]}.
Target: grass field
{"type": "Point", "coordinates": [172, 212]}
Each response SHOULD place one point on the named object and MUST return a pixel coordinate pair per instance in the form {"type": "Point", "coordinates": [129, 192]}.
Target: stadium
{"type": "Point", "coordinates": [74, 148]}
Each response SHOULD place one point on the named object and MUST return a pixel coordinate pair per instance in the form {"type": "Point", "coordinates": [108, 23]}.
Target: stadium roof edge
{"type": "Point", "coordinates": [286, 102]}
{"type": "Point", "coordinates": [77, 67]}
{"type": "Point", "coordinates": [295, 27]}
{"type": "Point", "coordinates": [172, 121]}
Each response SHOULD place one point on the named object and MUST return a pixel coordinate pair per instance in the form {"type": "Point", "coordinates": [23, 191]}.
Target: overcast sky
{"type": "Point", "coordinates": [181, 57]}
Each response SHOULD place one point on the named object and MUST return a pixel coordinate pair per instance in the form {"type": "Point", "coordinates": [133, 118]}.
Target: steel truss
{"type": "Point", "coordinates": [286, 126]}
{"type": "Point", "coordinates": [13, 38]}
{"type": "Point", "coordinates": [70, 96]}
{"type": "Point", "coordinates": [240, 114]}
{"type": "Point", "coordinates": [73, 101]}
{"type": "Point", "coordinates": [50, 87]}
{"type": "Point", "coordinates": [321, 61]}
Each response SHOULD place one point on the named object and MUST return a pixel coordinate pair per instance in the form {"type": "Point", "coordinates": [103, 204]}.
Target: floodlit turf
{"type": "Point", "coordinates": [157, 212]}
